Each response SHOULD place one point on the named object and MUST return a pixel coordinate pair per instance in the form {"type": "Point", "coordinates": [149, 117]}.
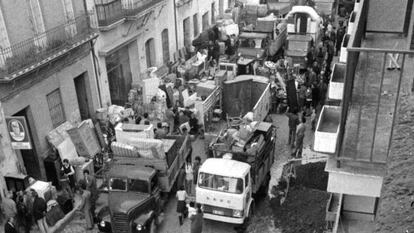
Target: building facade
{"type": "Point", "coordinates": [47, 76]}
{"type": "Point", "coordinates": [135, 35]}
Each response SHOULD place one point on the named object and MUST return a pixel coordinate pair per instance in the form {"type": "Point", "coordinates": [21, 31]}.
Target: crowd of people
{"type": "Point", "coordinates": [312, 92]}
{"type": "Point", "coordinates": [24, 210]}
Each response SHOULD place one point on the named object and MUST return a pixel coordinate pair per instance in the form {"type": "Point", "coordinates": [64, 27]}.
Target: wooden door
{"type": "Point", "coordinates": [81, 94]}
{"type": "Point", "coordinates": [30, 157]}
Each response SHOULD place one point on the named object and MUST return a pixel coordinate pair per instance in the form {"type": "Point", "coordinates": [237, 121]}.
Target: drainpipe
{"type": "Point", "coordinates": [85, 8]}
{"type": "Point", "coordinates": [175, 25]}
{"type": "Point", "coordinates": [96, 73]}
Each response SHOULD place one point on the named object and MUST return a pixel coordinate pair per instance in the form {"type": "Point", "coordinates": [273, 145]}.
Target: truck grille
{"type": "Point", "coordinates": [120, 223]}
{"type": "Point", "coordinates": [218, 210]}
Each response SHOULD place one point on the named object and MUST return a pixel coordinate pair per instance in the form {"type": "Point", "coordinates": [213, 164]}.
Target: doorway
{"type": "Point", "coordinates": [119, 76]}
{"type": "Point", "coordinates": [82, 96]}
{"type": "Point", "coordinates": [30, 157]}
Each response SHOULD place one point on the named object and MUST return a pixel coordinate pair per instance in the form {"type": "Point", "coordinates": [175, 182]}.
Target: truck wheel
{"type": "Point", "coordinates": [265, 186]}
{"type": "Point", "coordinates": [249, 217]}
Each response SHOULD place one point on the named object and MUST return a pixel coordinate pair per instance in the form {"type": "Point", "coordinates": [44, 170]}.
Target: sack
{"type": "Point", "coordinates": [55, 214]}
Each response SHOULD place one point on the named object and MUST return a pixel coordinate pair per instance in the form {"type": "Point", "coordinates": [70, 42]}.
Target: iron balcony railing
{"type": "Point", "coordinates": [111, 11]}
{"type": "Point", "coordinates": [370, 99]}
{"type": "Point", "coordinates": [29, 52]}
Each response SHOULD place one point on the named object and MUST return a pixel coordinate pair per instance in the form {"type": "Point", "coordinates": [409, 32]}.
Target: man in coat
{"type": "Point", "coordinates": [10, 226]}
{"type": "Point", "coordinates": [90, 184]}
{"type": "Point", "coordinates": [39, 211]}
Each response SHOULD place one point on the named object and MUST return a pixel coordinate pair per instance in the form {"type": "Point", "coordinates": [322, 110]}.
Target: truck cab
{"type": "Point", "coordinates": [224, 189]}
{"type": "Point", "coordinates": [133, 199]}
{"type": "Point", "coordinates": [227, 182]}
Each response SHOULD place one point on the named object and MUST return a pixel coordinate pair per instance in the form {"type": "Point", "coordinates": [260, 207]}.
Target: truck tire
{"type": "Point", "coordinates": [265, 186]}
{"type": "Point", "coordinates": [248, 219]}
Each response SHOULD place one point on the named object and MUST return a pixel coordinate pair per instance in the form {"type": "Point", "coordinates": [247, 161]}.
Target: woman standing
{"type": "Point", "coordinates": [181, 206]}
{"type": "Point", "coordinates": [189, 176]}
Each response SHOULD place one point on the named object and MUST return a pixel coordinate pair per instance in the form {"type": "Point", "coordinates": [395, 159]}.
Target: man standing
{"type": "Point", "coordinates": [39, 210]}
{"type": "Point", "coordinates": [69, 173]}
{"type": "Point", "coordinates": [293, 123]}
{"type": "Point", "coordinates": [339, 37]}
{"type": "Point", "coordinates": [90, 184]}
{"type": "Point", "coordinates": [196, 167]}
{"type": "Point", "coordinates": [300, 135]}
{"type": "Point", "coordinates": [8, 206]}
{"type": "Point", "coordinates": [86, 206]}
{"type": "Point", "coordinates": [10, 226]}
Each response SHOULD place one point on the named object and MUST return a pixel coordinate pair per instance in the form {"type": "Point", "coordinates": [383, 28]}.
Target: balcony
{"type": "Point", "coordinates": [112, 11]}
{"type": "Point", "coordinates": [24, 56]}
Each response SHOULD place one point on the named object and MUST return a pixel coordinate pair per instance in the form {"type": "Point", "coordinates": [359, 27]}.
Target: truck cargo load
{"type": "Point", "coordinates": [247, 93]}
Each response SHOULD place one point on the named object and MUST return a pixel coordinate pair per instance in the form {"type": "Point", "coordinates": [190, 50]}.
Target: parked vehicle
{"type": "Point", "coordinates": [134, 202]}
{"type": "Point", "coordinates": [227, 182]}
{"type": "Point", "coordinates": [141, 175]}
{"type": "Point", "coordinates": [264, 39]}
{"type": "Point", "coordinates": [247, 93]}
{"type": "Point", "coordinates": [303, 29]}
{"type": "Point", "coordinates": [165, 155]}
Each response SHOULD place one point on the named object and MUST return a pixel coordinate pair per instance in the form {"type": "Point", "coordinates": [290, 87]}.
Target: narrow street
{"type": "Point", "coordinates": [262, 221]}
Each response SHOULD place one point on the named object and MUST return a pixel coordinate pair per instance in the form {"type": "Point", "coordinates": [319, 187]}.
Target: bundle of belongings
{"type": "Point", "coordinates": [241, 139]}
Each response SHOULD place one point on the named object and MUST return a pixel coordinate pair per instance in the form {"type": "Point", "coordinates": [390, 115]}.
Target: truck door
{"type": "Point", "coordinates": [248, 191]}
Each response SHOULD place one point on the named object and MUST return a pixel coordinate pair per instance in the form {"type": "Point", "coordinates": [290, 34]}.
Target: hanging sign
{"type": "Point", "coordinates": [19, 133]}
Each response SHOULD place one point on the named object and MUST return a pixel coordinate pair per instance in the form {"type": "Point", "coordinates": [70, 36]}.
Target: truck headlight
{"type": "Point", "coordinates": [237, 213]}
{"type": "Point", "coordinates": [140, 227]}
{"type": "Point", "coordinates": [102, 223]}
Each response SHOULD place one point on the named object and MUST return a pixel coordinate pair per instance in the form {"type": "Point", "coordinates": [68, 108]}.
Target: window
{"type": "Point", "coordinates": [138, 186]}
{"type": "Point", "coordinates": [4, 40]}
{"type": "Point", "coordinates": [246, 180]}
{"type": "Point", "coordinates": [205, 21]}
{"type": "Point", "coordinates": [150, 52]}
{"type": "Point", "coordinates": [38, 23]}
{"type": "Point", "coordinates": [186, 31]}
{"type": "Point", "coordinates": [165, 46]}
{"type": "Point", "coordinates": [213, 13]}
{"type": "Point", "coordinates": [195, 24]}
{"type": "Point", "coordinates": [54, 101]}
{"type": "Point", "coordinates": [117, 184]}
{"type": "Point", "coordinates": [70, 17]}
{"type": "Point", "coordinates": [221, 183]}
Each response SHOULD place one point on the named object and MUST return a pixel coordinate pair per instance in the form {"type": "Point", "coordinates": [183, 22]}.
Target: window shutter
{"type": "Point", "coordinates": [165, 46]}
{"type": "Point", "coordinates": [54, 102]}
{"type": "Point", "coordinates": [38, 24]}
{"type": "Point", "coordinates": [4, 42]}
{"type": "Point", "coordinates": [70, 25]}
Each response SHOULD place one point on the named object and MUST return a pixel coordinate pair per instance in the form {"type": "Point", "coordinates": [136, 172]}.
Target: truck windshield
{"type": "Point", "coordinates": [221, 183]}
{"type": "Point", "coordinates": [117, 184]}
{"type": "Point", "coordinates": [138, 186]}
{"type": "Point", "coordinates": [298, 45]}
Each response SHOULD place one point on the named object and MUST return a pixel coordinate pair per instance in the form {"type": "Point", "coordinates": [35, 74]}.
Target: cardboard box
{"type": "Point", "coordinates": [85, 140]}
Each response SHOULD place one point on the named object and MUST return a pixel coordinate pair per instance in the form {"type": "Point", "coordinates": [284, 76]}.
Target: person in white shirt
{"type": "Point", "coordinates": [181, 205]}
{"type": "Point", "coordinates": [189, 176]}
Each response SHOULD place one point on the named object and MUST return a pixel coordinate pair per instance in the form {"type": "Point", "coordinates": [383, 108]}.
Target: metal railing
{"type": "Point", "coordinates": [109, 12]}
{"type": "Point", "coordinates": [370, 99]}
{"type": "Point", "coordinates": [28, 52]}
